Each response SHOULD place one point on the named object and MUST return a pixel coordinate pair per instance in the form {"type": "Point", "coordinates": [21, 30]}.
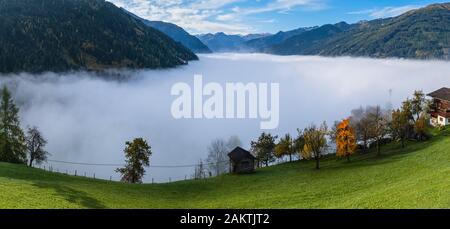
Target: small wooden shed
{"type": "Point", "coordinates": [241, 161]}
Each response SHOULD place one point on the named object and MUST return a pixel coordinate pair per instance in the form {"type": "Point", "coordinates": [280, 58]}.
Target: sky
{"type": "Point", "coordinates": [262, 16]}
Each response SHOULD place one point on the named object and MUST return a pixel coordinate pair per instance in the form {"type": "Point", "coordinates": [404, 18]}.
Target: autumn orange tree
{"type": "Point", "coordinates": [345, 139]}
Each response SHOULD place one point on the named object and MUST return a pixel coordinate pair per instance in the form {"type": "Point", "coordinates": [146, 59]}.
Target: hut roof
{"type": "Point", "coordinates": [443, 93]}
{"type": "Point", "coordinates": [238, 154]}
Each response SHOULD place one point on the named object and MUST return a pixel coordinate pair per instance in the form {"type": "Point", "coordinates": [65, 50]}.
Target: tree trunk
{"type": "Point", "coordinates": [31, 162]}
{"type": "Point", "coordinates": [317, 163]}
{"type": "Point", "coordinates": [365, 146]}
{"type": "Point", "coordinates": [290, 157]}
{"type": "Point", "coordinates": [378, 148]}
{"type": "Point", "coordinates": [403, 142]}
{"type": "Point", "coordinates": [348, 157]}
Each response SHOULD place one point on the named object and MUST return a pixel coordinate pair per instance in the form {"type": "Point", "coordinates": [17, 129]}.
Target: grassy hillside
{"type": "Point", "coordinates": [417, 177]}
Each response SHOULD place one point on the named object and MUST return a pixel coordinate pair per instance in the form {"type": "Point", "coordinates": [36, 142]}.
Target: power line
{"type": "Point", "coordinates": [153, 166]}
{"type": "Point", "coordinates": [82, 163]}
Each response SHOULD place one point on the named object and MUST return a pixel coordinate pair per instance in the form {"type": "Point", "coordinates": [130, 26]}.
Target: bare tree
{"type": "Point", "coordinates": [362, 125]}
{"type": "Point", "coordinates": [218, 150]}
{"type": "Point", "coordinates": [217, 157]}
{"type": "Point", "coordinates": [35, 146]}
{"type": "Point", "coordinates": [379, 125]}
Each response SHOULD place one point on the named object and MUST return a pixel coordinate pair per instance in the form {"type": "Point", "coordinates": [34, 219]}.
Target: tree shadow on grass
{"type": "Point", "coordinates": [73, 196]}
{"type": "Point", "coordinates": [39, 180]}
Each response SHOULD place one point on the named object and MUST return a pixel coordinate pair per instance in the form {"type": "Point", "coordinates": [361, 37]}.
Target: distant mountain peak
{"type": "Point", "coordinates": [177, 33]}
{"type": "Point", "coordinates": [445, 6]}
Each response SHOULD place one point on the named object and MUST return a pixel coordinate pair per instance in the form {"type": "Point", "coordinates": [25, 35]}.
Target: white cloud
{"type": "Point", "coordinates": [194, 16]}
{"type": "Point", "coordinates": [226, 17]}
{"type": "Point", "coordinates": [209, 15]}
{"type": "Point", "coordinates": [212, 4]}
{"type": "Point", "coordinates": [282, 6]}
{"type": "Point", "coordinates": [268, 21]}
{"type": "Point", "coordinates": [387, 11]}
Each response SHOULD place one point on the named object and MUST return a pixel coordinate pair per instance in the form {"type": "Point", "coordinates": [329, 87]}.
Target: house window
{"type": "Point", "coordinates": [441, 119]}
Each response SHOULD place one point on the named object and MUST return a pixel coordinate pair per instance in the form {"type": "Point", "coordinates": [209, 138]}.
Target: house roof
{"type": "Point", "coordinates": [443, 93]}
{"type": "Point", "coordinates": [238, 154]}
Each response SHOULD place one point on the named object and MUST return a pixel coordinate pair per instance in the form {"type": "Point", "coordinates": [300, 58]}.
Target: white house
{"type": "Point", "coordinates": [440, 110]}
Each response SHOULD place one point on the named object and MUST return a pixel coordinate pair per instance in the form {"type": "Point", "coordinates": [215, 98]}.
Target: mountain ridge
{"type": "Point", "coordinates": [51, 35]}
{"type": "Point", "coordinates": [222, 42]}
{"type": "Point", "coordinates": [180, 35]}
{"type": "Point", "coordinates": [175, 32]}
{"type": "Point", "coordinates": [422, 33]}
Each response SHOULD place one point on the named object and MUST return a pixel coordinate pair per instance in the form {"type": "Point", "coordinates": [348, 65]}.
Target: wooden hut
{"type": "Point", "coordinates": [241, 161]}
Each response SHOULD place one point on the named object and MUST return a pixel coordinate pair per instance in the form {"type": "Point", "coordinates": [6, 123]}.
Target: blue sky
{"type": "Point", "coordinates": [258, 16]}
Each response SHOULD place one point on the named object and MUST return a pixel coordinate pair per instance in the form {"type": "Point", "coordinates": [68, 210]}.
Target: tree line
{"type": "Point", "coordinates": [365, 128]}
{"type": "Point", "coordinates": [369, 127]}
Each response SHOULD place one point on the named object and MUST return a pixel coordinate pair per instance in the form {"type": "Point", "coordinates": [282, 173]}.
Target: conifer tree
{"type": "Point", "coordinates": [137, 154]}
{"type": "Point", "coordinates": [12, 137]}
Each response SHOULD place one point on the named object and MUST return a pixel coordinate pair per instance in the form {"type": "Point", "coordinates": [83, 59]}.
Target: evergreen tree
{"type": "Point", "coordinates": [418, 105]}
{"type": "Point", "coordinates": [12, 138]}
{"type": "Point", "coordinates": [264, 148]}
{"type": "Point", "coordinates": [137, 154]}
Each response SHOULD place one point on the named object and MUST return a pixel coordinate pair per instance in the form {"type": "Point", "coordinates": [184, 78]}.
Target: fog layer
{"type": "Point", "coordinates": [88, 118]}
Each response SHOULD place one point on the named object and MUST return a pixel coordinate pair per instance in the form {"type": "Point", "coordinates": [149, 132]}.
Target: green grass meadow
{"type": "Point", "coordinates": [415, 177]}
